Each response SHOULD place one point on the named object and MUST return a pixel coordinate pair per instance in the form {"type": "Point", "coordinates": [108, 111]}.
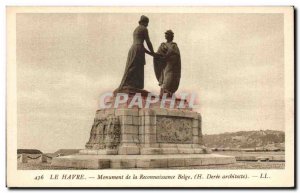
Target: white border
{"type": "Point", "coordinates": [96, 3]}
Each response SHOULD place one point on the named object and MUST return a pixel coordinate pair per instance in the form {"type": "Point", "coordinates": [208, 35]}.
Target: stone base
{"type": "Point", "coordinates": [134, 150]}
{"type": "Point", "coordinates": [145, 131]}
{"type": "Point", "coordinates": [140, 161]}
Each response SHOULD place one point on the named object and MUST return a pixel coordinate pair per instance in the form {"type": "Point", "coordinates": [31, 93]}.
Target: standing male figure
{"type": "Point", "coordinates": [168, 66]}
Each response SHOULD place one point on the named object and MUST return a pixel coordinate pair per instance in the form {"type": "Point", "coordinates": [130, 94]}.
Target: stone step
{"type": "Point", "coordinates": [140, 161]}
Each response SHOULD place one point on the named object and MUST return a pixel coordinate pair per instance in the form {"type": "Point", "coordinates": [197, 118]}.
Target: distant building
{"type": "Point", "coordinates": [24, 155]}
{"type": "Point", "coordinates": [29, 151]}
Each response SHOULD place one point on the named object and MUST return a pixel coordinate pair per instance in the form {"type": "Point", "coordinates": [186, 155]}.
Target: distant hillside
{"type": "Point", "coordinates": [246, 139]}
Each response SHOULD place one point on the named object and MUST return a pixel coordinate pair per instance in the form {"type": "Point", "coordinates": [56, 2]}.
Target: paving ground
{"type": "Point", "coordinates": [238, 165]}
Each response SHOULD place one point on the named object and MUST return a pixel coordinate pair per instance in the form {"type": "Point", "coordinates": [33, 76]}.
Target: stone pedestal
{"type": "Point", "coordinates": [168, 137]}
{"type": "Point", "coordinates": [145, 131]}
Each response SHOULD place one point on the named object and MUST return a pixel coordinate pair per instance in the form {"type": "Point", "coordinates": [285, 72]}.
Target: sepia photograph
{"type": "Point", "coordinates": [150, 96]}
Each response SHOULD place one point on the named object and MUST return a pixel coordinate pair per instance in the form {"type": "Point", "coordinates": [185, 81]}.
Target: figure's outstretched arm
{"type": "Point", "coordinates": [149, 44]}
{"type": "Point", "coordinates": [148, 52]}
{"type": "Point", "coordinates": [155, 55]}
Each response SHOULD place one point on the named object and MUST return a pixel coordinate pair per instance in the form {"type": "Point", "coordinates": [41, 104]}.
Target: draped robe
{"type": "Point", "coordinates": [168, 67]}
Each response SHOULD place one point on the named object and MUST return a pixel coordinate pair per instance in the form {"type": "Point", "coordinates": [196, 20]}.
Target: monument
{"type": "Point", "coordinates": [137, 129]}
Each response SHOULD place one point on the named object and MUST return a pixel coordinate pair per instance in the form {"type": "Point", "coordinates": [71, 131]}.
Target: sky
{"type": "Point", "coordinates": [65, 61]}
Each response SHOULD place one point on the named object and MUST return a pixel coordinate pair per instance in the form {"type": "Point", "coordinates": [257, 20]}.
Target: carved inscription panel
{"type": "Point", "coordinates": [174, 130]}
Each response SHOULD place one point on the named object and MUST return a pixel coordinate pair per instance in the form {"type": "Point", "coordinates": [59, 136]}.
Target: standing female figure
{"type": "Point", "coordinates": [133, 78]}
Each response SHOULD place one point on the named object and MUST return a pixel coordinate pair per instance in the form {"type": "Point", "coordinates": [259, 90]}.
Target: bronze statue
{"type": "Point", "coordinates": [133, 78]}
{"type": "Point", "coordinates": [168, 66]}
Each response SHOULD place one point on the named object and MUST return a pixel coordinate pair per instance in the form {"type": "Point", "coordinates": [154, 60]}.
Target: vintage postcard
{"type": "Point", "coordinates": [150, 97]}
